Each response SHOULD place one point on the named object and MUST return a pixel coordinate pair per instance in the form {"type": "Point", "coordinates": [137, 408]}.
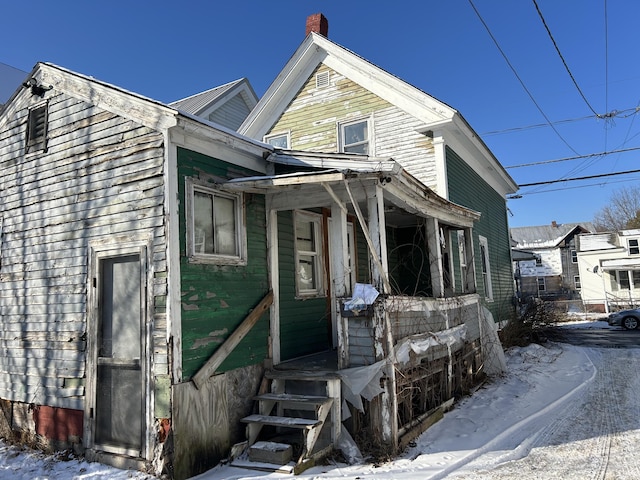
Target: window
{"type": "Point", "coordinates": [462, 255]}
{"type": "Point", "coordinates": [215, 225]}
{"type": "Point", "coordinates": [37, 129]}
{"type": "Point", "coordinates": [634, 247]}
{"type": "Point", "coordinates": [280, 140]}
{"type": "Point", "coordinates": [542, 286]}
{"type": "Point", "coordinates": [623, 279]}
{"type": "Point", "coordinates": [574, 256]}
{"type": "Point", "coordinates": [538, 261]}
{"type": "Point", "coordinates": [576, 282]}
{"type": "Point", "coordinates": [635, 278]}
{"type": "Point", "coordinates": [486, 268]}
{"type": "Point", "coordinates": [355, 137]}
{"type": "Point", "coordinates": [308, 244]}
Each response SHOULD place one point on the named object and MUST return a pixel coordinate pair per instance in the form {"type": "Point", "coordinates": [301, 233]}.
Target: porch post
{"type": "Point", "coordinates": [272, 259]}
{"type": "Point", "coordinates": [377, 231]}
{"type": "Point", "coordinates": [435, 256]}
{"type": "Point", "coordinates": [339, 267]}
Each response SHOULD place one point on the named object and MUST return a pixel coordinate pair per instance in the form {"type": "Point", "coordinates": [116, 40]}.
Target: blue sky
{"type": "Point", "coordinates": [168, 50]}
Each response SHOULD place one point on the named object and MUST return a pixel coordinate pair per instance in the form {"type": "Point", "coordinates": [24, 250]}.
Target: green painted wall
{"type": "Point", "coordinates": [305, 326]}
{"type": "Point", "coordinates": [467, 188]}
{"type": "Point", "coordinates": [216, 298]}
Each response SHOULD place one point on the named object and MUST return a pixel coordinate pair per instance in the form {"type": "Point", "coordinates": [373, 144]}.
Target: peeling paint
{"type": "Point", "coordinates": [194, 298]}
{"type": "Point", "coordinates": [211, 295]}
{"type": "Point", "coordinates": [224, 304]}
{"type": "Point", "coordinates": [190, 307]}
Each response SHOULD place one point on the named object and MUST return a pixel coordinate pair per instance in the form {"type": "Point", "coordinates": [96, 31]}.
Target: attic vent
{"type": "Point", "coordinates": [37, 129]}
{"type": "Point", "coordinates": [322, 79]}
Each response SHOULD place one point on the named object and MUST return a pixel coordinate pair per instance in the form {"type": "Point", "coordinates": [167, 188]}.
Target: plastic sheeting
{"type": "Point", "coordinates": [359, 383]}
{"type": "Point", "coordinates": [420, 344]}
{"type": "Point", "coordinates": [494, 359]}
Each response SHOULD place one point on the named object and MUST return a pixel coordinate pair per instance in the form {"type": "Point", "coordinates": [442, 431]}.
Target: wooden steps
{"type": "Point", "coordinates": [299, 401]}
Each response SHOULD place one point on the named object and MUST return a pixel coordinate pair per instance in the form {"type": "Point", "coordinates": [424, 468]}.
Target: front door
{"type": "Point", "coordinates": [117, 411]}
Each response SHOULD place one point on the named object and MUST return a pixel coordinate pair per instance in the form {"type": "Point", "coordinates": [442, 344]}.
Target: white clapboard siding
{"type": "Point", "coordinates": [101, 179]}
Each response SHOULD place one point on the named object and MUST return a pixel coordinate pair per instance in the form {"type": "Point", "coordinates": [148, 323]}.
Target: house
{"type": "Point", "coordinates": [552, 273]}
{"type": "Point", "coordinates": [609, 264]}
{"type": "Point", "coordinates": [173, 293]}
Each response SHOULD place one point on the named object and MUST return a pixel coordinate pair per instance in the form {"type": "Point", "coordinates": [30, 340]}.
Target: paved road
{"type": "Point", "coordinates": [596, 337]}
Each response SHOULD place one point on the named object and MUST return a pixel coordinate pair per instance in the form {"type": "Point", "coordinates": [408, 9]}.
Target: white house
{"type": "Point", "coordinates": [609, 265]}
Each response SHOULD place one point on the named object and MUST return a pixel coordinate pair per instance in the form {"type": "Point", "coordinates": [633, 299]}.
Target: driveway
{"type": "Point", "coordinates": [598, 334]}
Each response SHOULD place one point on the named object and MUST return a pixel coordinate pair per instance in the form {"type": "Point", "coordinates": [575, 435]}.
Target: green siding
{"type": "Point", "coordinates": [467, 188]}
{"type": "Point", "coordinates": [216, 298]}
{"type": "Point", "coordinates": [305, 324]}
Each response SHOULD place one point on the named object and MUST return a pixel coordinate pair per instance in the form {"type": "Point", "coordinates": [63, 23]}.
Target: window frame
{"type": "Point", "coordinates": [37, 144]}
{"type": "Point", "coordinates": [285, 135]}
{"type": "Point", "coordinates": [542, 284]}
{"type": "Point", "coordinates": [574, 256]}
{"type": "Point", "coordinates": [192, 186]}
{"type": "Point", "coordinates": [368, 142]}
{"type": "Point", "coordinates": [576, 282]}
{"type": "Point", "coordinates": [635, 247]}
{"type": "Point", "coordinates": [485, 267]}
{"type": "Point", "coordinates": [317, 254]}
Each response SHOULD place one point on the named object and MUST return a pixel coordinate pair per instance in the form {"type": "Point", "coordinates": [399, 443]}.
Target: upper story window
{"type": "Point", "coordinates": [215, 226]}
{"type": "Point", "coordinates": [308, 244]}
{"type": "Point", "coordinates": [355, 137]}
{"type": "Point", "coordinates": [634, 246]}
{"type": "Point", "coordinates": [574, 256]}
{"type": "Point", "coordinates": [37, 129]}
{"type": "Point", "coordinates": [538, 261]}
{"type": "Point", "coordinates": [280, 140]}
{"type": "Point", "coordinates": [542, 286]}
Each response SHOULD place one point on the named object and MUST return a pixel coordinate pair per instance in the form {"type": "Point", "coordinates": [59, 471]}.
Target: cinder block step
{"type": "Point", "coordinates": [289, 422]}
{"type": "Point", "coordinates": [271, 452]}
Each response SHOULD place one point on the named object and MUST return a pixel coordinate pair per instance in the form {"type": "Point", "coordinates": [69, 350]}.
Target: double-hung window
{"type": "Point", "coordinates": [308, 244]}
{"type": "Point", "coordinates": [215, 225]}
{"type": "Point", "coordinates": [634, 246]}
{"type": "Point", "coordinates": [486, 268]}
{"type": "Point", "coordinates": [355, 137]}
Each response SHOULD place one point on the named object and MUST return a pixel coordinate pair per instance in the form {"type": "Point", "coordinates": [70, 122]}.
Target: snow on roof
{"type": "Point", "coordinates": [546, 236]}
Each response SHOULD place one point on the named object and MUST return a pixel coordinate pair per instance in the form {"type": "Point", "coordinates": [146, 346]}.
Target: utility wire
{"type": "Point", "coordinates": [601, 154]}
{"type": "Point", "coordinates": [553, 40]}
{"type": "Point", "coordinates": [600, 184]}
{"type": "Point", "coordinates": [601, 175]}
{"type": "Point", "coordinates": [518, 77]}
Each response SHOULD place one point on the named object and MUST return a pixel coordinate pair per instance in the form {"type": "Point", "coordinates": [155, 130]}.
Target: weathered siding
{"type": "Point", "coordinates": [101, 179]}
{"type": "Point", "coordinates": [467, 188]}
{"type": "Point", "coordinates": [216, 298]}
{"type": "Point", "coordinates": [312, 119]}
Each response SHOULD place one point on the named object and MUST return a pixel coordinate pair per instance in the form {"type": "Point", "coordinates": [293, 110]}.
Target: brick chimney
{"type": "Point", "coordinates": [317, 23]}
{"type": "Point", "coordinates": [554, 224]}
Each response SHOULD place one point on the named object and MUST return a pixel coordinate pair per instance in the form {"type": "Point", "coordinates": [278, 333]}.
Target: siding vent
{"type": "Point", "coordinates": [322, 79]}
{"type": "Point", "coordinates": [37, 129]}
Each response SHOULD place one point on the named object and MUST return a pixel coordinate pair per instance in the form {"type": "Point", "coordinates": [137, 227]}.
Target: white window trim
{"type": "Point", "coordinates": [320, 290]}
{"type": "Point", "coordinates": [486, 276]}
{"type": "Point", "coordinates": [636, 246]}
{"type": "Point", "coordinates": [192, 185]}
{"type": "Point", "coordinates": [543, 284]}
{"type": "Point", "coordinates": [576, 282]}
{"type": "Point", "coordinates": [343, 124]}
{"type": "Point", "coordinates": [286, 134]}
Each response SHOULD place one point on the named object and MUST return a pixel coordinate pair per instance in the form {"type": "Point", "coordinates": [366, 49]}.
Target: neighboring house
{"type": "Point", "coordinates": [227, 105]}
{"type": "Point", "coordinates": [609, 265]}
{"type": "Point", "coordinates": [552, 273]}
{"type": "Point", "coordinates": [158, 270]}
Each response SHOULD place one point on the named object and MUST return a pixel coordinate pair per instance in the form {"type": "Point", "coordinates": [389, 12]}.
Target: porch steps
{"type": "Point", "coordinates": [306, 402]}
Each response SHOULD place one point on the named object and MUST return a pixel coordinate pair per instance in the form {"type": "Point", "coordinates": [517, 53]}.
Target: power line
{"type": "Point", "coordinates": [600, 184]}
{"type": "Point", "coordinates": [601, 175]}
{"type": "Point", "coordinates": [553, 40]}
{"type": "Point", "coordinates": [519, 79]}
{"type": "Point", "coordinates": [577, 157]}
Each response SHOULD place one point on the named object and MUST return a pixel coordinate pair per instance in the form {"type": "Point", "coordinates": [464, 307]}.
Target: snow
{"type": "Point", "coordinates": [552, 415]}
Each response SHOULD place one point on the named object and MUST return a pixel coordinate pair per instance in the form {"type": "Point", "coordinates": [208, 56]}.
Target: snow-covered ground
{"type": "Point", "coordinates": [561, 411]}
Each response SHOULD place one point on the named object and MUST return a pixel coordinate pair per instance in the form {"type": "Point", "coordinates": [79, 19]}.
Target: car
{"type": "Point", "coordinates": [628, 319]}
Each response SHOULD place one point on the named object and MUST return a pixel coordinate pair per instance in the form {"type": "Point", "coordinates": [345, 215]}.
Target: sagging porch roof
{"type": "Point", "coordinates": [405, 197]}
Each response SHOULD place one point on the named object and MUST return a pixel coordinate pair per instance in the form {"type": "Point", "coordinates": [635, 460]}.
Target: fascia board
{"type": "Point", "coordinates": [282, 90]}
{"type": "Point", "coordinates": [113, 99]}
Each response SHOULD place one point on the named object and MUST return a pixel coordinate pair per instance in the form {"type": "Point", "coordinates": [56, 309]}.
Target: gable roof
{"type": "Point", "coordinates": [435, 114]}
{"type": "Point", "coordinates": [547, 236]}
{"type": "Point", "coordinates": [202, 104]}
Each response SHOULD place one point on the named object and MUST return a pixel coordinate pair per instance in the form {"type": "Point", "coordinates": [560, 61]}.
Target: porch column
{"type": "Point", "coordinates": [272, 259]}
{"type": "Point", "coordinates": [339, 269]}
{"type": "Point", "coordinates": [377, 232]}
{"type": "Point", "coordinates": [435, 256]}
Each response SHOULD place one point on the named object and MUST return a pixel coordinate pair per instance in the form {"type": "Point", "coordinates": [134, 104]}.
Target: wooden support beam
{"type": "Point", "coordinates": [219, 356]}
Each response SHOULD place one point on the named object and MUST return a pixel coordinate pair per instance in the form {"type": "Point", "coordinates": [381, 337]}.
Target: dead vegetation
{"type": "Point", "coordinates": [533, 325]}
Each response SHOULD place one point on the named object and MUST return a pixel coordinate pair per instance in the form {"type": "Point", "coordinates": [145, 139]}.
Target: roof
{"type": "Point", "coordinates": [546, 236]}
{"type": "Point", "coordinates": [433, 113]}
{"type": "Point", "coordinates": [196, 104]}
